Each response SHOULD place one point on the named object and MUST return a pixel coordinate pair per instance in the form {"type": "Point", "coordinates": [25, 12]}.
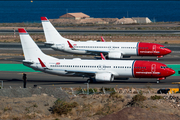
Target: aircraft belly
{"type": "Point", "coordinates": [76, 51]}
{"type": "Point", "coordinates": [125, 73]}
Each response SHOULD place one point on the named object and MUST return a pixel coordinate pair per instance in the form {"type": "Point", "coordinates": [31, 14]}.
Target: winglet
{"type": "Point", "coordinates": [22, 30]}
{"type": "Point", "coordinates": [42, 64]}
{"type": "Point", "coordinates": [102, 57]}
{"type": "Point", "coordinates": [102, 39]}
{"type": "Point", "coordinates": [70, 45]}
{"type": "Point", "coordinates": [44, 19]}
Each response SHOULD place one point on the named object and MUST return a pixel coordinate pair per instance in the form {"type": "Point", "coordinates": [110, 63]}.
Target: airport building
{"type": "Point", "coordinates": [125, 21]}
{"type": "Point", "coordinates": [75, 16]}
{"type": "Point", "coordinates": [142, 19]}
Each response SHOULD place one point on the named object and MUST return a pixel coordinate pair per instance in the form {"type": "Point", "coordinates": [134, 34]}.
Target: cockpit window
{"type": "Point", "coordinates": [162, 47]}
{"type": "Point", "coordinates": [163, 67]}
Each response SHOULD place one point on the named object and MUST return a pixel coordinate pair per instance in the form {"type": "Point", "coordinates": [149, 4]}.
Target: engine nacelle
{"type": "Point", "coordinates": [115, 55]}
{"type": "Point", "coordinates": [104, 77]}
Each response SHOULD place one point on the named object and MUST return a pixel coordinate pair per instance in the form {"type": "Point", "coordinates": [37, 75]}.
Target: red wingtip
{"type": "Point", "coordinates": [102, 56]}
{"type": "Point", "coordinates": [70, 44]}
{"type": "Point", "coordinates": [102, 39]}
{"type": "Point", "coordinates": [42, 64]}
{"type": "Point", "coordinates": [44, 18]}
{"type": "Point", "coordinates": [22, 30]}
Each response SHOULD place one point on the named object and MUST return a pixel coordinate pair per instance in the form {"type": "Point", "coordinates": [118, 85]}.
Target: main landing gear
{"type": "Point", "coordinates": [90, 80]}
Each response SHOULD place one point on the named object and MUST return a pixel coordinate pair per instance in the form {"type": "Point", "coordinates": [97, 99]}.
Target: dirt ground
{"type": "Point", "coordinates": [153, 38]}
{"type": "Point", "coordinates": [36, 104]}
{"type": "Point", "coordinates": [115, 38]}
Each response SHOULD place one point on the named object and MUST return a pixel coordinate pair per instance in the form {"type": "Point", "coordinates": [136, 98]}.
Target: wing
{"type": "Point", "coordinates": [81, 73]}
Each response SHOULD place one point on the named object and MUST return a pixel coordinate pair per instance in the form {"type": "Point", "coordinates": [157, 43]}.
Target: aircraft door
{"type": "Point", "coordinates": [154, 49]}
{"type": "Point", "coordinates": [103, 67]}
{"type": "Point", "coordinates": [153, 68]}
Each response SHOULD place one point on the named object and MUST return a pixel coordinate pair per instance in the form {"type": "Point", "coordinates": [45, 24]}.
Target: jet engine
{"type": "Point", "coordinates": [115, 55]}
{"type": "Point", "coordinates": [104, 77]}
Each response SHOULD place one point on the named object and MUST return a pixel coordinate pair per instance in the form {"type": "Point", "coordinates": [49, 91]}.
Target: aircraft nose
{"type": "Point", "coordinates": [171, 71]}
{"type": "Point", "coordinates": [168, 51]}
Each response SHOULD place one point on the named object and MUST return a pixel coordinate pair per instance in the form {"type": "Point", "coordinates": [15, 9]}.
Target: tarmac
{"type": "Point", "coordinates": [11, 70]}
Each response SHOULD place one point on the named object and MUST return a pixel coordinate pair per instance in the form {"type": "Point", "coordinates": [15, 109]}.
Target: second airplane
{"type": "Point", "coordinates": [113, 50]}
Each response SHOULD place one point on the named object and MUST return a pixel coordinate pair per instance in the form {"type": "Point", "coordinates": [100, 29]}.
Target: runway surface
{"type": "Point", "coordinates": [14, 80]}
{"type": "Point", "coordinates": [103, 31]}
{"type": "Point", "coordinates": [11, 54]}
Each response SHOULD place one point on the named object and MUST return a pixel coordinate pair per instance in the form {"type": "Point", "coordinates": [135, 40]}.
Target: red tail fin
{"type": "Point", "coordinates": [44, 18]}
{"type": "Point", "coordinates": [22, 30]}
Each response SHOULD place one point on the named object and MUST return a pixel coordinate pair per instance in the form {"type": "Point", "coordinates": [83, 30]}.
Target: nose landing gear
{"type": "Point", "coordinates": [159, 57]}
{"type": "Point", "coordinates": [158, 81]}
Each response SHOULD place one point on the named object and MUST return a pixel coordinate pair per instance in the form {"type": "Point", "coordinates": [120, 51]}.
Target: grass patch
{"type": "Point", "coordinates": [116, 95]}
{"type": "Point", "coordinates": [61, 107]}
{"type": "Point", "coordinates": [137, 100]}
{"type": "Point", "coordinates": [139, 97]}
{"type": "Point", "coordinates": [107, 89]}
{"type": "Point", "coordinates": [7, 108]}
{"type": "Point", "coordinates": [156, 97]}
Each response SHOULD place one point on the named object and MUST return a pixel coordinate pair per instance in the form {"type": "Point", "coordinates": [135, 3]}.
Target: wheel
{"type": "Point", "coordinates": [156, 58]}
{"type": "Point", "coordinates": [89, 81]}
{"type": "Point", "coordinates": [158, 81]}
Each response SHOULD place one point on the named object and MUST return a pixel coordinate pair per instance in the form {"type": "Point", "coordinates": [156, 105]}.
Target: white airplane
{"type": "Point", "coordinates": [95, 70]}
{"type": "Point", "coordinates": [114, 50]}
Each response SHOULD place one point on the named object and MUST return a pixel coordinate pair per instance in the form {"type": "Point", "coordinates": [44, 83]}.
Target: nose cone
{"type": "Point", "coordinates": [167, 51]}
{"type": "Point", "coordinates": [170, 72]}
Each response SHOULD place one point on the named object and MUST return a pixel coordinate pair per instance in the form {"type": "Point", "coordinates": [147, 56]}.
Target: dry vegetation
{"type": "Point", "coordinates": [161, 39]}
{"type": "Point", "coordinates": [64, 24]}
{"type": "Point", "coordinates": [125, 102]}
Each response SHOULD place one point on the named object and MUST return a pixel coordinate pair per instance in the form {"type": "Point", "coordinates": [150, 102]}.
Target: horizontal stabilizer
{"type": "Point", "coordinates": [48, 43]}
{"type": "Point", "coordinates": [29, 62]}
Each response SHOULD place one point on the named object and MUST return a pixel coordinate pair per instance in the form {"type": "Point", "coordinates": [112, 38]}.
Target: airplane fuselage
{"type": "Point", "coordinates": [114, 49]}
{"type": "Point", "coordinates": [119, 69]}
